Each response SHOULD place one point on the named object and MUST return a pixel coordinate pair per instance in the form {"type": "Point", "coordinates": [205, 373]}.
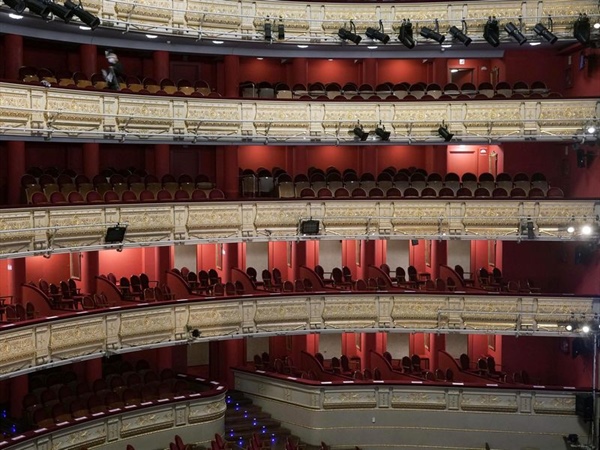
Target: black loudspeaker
{"type": "Point", "coordinates": [309, 227]}
{"type": "Point", "coordinates": [414, 242]}
{"type": "Point", "coordinates": [584, 406]}
{"type": "Point", "coordinates": [115, 235]}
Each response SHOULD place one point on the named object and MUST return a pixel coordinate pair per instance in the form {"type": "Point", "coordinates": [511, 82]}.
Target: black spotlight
{"type": "Point", "coordinates": [17, 6]}
{"type": "Point", "coordinates": [460, 36]}
{"type": "Point", "coordinates": [406, 34]}
{"type": "Point", "coordinates": [60, 11]}
{"type": "Point", "coordinates": [196, 333]}
{"type": "Point", "coordinates": [491, 32]}
{"type": "Point", "coordinates": [38, 7]}
{"type": "Point", "coordinates": [378, 34]}
{"type": "Point", "coordinates": [349, 35]}
{"type": "Point", "coordinates": [581, 29]}
{"type": "Point", "coordinates": [268, 28]}
{"type": "Point", "coordinates": [87, 18]}
{"type": "Point", "coordinates": [428, 33]}
{"type": "Point", "coordinates": [515, 33]}
{"type": "Point", "coordinates": [544, 32]}
{"type": "Point", "coordinates": [360, 133]}
{"type": "Point", "coordinates": [444, 133]}
{"type": "Point", "coordinates": [383, 135]}
{"type": "Point", "coordinates": [280, 30]}
{"type": "Point", "coordinates": [115, 235]}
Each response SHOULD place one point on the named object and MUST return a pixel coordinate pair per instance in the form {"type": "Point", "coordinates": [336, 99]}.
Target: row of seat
{"type": "Point", "coordinates": [67, 183]}
{"type": "Point", "coordinates": [127, 196]}
{"type": "Point", "coordinates": [148, 85]}
{"type": "Point", "coordinates": [264, 183]}
{"type": "Point", "coordinates": [52, 175]}
{"type": "Point", "coordinates": [404, 90]}
{"type": "Point", "coordinates": [397, 191]}
{"type": "Point", "coordinates": [315, 90]}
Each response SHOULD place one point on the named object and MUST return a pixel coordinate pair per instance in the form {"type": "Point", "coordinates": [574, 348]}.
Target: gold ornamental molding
{"type": "Point", "coordinates": [62, 229]}
{"type": "Point", "coordinates": [318, 23]}
{"type": "Point", "coordinates": [35, 112]}
{"type": "Point", "coordinates": [70, 338]}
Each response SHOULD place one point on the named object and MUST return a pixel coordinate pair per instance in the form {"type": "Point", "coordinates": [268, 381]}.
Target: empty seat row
{"type": "Point", "coordinates": [404, 90]}
{"type": "Point", "coordinates": [127, 196]}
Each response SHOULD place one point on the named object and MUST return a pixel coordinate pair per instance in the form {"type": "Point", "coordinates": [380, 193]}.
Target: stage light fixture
{"type": "Point", "coordinates": [515, 33]}
{"type": "Point", "coordinates": [280, 30]}
{"type": "Point", "coordinates": [544, 32]}
{"type": "Point", "coordinates": [349, 35]}
{"type": "Point", "coordinates": [380, 131]}
{"type": "Point", "coordinates": [445, 134]}
{"type": "Point", "coordinates": [569, 327]}
{"type": "Point", "coordinates": [268, 29]}
{"type": "Point", "coordinates": [38, 7]}
{"type": "Point", "coordinates": [17, 6]}
{"type": "Point", "coordinates": [434, 34]}
{"type": "Point", "coordinates": [581, 29]}
{"type": "Point", "coordinates": [60, 11]}
{"type": "Point", "coordinates": [378, 34]}
{"type": "Point", "coordinates": [491, 32]}
{"type": "Point", "coordinates": [460, 36]}
{"type": "Point", "coordinates": [87, 18]}
{"type": "Point", "coordinates": [360, 133]}
{"type": "Point", "coordinates": [405, 36]}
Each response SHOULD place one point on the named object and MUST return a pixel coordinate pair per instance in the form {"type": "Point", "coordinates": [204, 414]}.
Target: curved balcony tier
{"type": "Point", "coordinates": [61, 339]}
{"type": "Point", "coordinates": [61, 229]}
{"type": "Point", "coordinates": [200, 21]}
{"type": "Point", "coordinates": [34, 112]}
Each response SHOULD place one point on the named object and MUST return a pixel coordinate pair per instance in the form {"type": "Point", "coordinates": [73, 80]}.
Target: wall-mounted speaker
{"type": "Point", "coordinates": [115, 235]}
{"type": "Point", "coordinates": [310, 227]}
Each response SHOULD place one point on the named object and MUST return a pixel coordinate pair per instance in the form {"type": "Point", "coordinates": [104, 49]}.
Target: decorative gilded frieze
{"type": "Point", "coordinates": [226, 319]}
{"type": "Point", "coordinates": [417, 399]}
{"type": "Point", "coordinates": [282, 315]}
{"type": "Point", "coordinates": [350, 312]}
{"type": "Point", "coordinates": [75, 439]}
{"type": "Point", "coordinates": [409, 312]}
{"type": "Point", "coordinates": [350, 399]}
{"type": "Point", "coordinates": [279, 217]}
{"type": "Point", "coordinates": [549, 404]}
{"type": "Point", "coordinates": [208, 411]}
{"type": "Point", "coordinates": [17, 351]}
{"type": "Point", "coordinates": [69, 341]}
{"type": "Point", "coordinates": [147, 422]}
{"type": "Point", "coordinates": [147, 327]}
{"type": "Point", "coordinates": [489, 401]}
{"type": "Point", "coordinates": [477, 313]}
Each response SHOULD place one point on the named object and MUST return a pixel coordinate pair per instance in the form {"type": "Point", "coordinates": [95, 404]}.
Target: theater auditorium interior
{"type": "Point", "coordinates": [299, 225]}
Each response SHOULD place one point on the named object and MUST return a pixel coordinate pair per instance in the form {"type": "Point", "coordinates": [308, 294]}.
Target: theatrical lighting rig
{"type": "Point", "coordinates": [378, 34]}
